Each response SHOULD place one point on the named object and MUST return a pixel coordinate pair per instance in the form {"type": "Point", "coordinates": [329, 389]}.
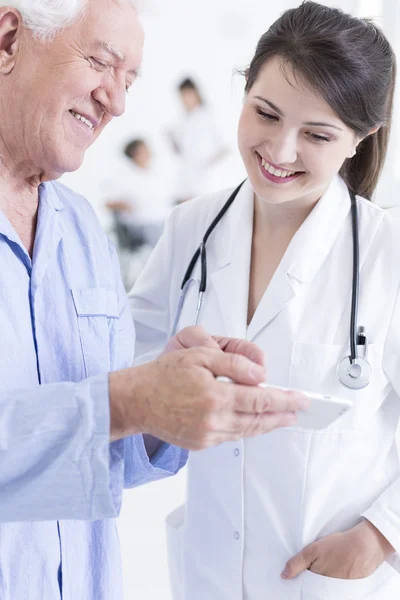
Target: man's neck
{"type": "Point", "coordinates": [19, 201]}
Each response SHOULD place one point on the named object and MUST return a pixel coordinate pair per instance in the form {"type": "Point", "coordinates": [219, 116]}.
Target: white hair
{"type": "Point", "coordinates": [47, 17]}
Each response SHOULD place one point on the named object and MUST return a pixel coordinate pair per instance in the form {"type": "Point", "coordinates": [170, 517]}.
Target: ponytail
{"type": "Point", "coordinates": [361, 172]}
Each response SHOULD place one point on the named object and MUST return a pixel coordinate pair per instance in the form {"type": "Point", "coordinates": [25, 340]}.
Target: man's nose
{"type": "Point", "coordinates": [112, 95]}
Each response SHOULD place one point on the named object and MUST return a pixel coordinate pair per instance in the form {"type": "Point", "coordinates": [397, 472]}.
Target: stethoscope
{"type": "Point", "coordinates": [353, 371]}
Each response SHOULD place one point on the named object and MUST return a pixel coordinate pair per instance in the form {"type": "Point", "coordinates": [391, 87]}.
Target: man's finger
{"type": "Point", "coordinates": [258, 400]}
{"type": "Point", "coordinates": [255, 425]}
{"type": "Point", "coordinates": [243, 347]}
{"type": "Point", "coordinates": [191, 337]}
{"type": "Point", "coordinates": [236, 367]}
{"type": "Point", "coordinates": [299, 563]}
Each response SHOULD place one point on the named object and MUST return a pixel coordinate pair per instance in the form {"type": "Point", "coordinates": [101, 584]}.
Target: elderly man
{"type": "Point", "coordinates": [77, 423]}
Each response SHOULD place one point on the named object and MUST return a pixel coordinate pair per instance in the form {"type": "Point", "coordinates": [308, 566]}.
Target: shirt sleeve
{"type": "Point", "coordinates": [130, 465]}
{"type": "Point", "coordinates": [54, 452]}
{"type": "Point", "coordinates": [384, 513]}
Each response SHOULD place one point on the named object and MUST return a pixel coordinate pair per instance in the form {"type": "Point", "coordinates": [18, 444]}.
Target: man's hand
{"type": "Point", "coordinates": [177, 399]}
{"type": "Point", "coordinates": [195, 337]}
{"type": "Point", "coordinates": [354, 554]}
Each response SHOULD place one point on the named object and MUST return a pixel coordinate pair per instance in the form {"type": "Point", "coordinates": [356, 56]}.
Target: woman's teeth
{"type": "Point", "coordinates": [83, 119]}
{"type": "Point", "coordinates": [276, 172]}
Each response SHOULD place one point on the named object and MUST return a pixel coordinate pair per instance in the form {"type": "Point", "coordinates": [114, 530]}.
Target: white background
{"type": "Point", "coordinates": [208, 39]}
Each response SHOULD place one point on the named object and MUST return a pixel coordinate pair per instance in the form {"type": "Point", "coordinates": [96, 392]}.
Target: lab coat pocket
{"type": "Point", "coordinates": [318, 587]}
{"type": "Point", "coordinates": [175, 530]}
{"type": "Point", "coordinates": [313, 367]}
{"type": "Point", "coordinates": [97, 314]}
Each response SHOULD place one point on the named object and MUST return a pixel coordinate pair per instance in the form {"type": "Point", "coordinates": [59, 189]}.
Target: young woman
{"type": "Point", "coordinates": [297, 514]}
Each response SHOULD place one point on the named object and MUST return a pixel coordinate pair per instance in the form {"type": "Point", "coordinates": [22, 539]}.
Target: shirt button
{"type": "Point", "coordinates": [237, 451]}
{"type": "Point", "coordinates": [236, 535]}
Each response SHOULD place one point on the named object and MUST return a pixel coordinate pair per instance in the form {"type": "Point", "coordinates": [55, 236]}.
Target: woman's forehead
{"type": "Point", "coordinates": [287, 90]}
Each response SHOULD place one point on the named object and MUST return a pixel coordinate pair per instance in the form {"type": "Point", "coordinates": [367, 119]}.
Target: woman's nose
{"type": "Point", "coordinates": [282, 149]}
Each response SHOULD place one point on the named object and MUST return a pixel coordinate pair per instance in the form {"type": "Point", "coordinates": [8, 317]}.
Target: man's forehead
{"type": "Point", "coordinates": [117, 32]}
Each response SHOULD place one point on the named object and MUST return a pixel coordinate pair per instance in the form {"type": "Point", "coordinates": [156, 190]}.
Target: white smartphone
{"type": "Point", "coordinates": [322, 412]}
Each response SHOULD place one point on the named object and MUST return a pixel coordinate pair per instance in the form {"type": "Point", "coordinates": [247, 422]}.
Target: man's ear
{"type": "Point", "coordinates": [10, 27]}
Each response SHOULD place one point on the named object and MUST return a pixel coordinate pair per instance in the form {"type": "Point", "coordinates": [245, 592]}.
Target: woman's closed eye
{"type": "Point", "coordinates": [319, 138]}
{"type": "Point", "coordinates": [267, 116]}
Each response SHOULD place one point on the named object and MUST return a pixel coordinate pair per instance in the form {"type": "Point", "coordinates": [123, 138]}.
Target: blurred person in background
{"type": "Point", "coordinates": [78, 424]}
{"type": "Point", "coordinates": [197, 141]}
{"type": "Point", "coordinates": [139, 196]}
{"type": "Point", "coordinates": [304, 513]}
{"type": "Point", "coordinates": [139, 192]}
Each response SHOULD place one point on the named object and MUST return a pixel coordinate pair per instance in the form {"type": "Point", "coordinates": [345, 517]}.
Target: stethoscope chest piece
{"type": "Point", "coordinates": [355, 375]}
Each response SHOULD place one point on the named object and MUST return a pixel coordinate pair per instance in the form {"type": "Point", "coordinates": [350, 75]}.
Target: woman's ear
{"type": "Point", "coordinates": [360, 139]}
{"type": "Point", "coordinates": [10, 27]}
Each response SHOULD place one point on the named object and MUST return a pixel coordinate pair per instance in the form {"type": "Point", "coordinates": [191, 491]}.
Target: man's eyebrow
{"type": "Point", "coordinates": [111, 49]}
{"type": "Point", "coordinates": [309, 123]}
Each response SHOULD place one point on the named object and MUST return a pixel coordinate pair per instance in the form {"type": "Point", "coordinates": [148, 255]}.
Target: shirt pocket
{"type": "Point", "coordinates": [313, 368]}
{"type": "Point", "coordinates": [97, 314]}
{"type": "Point", "coordinates": [377, 585]}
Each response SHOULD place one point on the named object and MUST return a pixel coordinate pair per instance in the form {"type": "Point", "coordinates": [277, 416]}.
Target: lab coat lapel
{"type": "Point", "coordinates": [230, 280]}
{"type": "Point", "coordinates": [304, 256]}
{"type": "Point", "coordinates": [279, 293]}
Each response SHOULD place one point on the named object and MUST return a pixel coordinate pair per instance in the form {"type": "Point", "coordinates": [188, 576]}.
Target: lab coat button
{"type": "Point", "coordinates": [237, 451]}
{"type": "Point", "coordinates": [236, 535]}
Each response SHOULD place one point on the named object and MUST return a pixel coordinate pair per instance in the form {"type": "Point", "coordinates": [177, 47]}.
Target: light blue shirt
{"type": "Point", "coordinates": [64, 323]}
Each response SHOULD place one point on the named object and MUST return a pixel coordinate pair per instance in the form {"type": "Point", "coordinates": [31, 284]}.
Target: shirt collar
{"type": "Point", "coordinates": [48, 193]}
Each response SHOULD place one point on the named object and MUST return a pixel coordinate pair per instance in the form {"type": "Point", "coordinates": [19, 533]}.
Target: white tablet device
{"type": "Point", "coordinates": [322, 412]}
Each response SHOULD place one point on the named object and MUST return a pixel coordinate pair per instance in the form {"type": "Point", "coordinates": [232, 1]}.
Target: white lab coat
{"type": "Point", "coordinates": [251, 505]}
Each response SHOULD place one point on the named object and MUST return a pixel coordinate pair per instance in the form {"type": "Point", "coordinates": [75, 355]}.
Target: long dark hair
{"type": "Point", "coordinates": [348, 62]}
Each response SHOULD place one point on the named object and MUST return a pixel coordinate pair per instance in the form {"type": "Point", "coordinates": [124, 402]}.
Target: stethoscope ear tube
{"type": "Point", "coordinates": [356, 280]}
{"type": "Point", "coordinates": [207, 234]}
{"type": "Point", "coordinates": [203, 259]}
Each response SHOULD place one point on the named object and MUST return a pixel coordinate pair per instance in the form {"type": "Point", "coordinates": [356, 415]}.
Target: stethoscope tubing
{"type": "Point", "coordinates": [202, 254]}
{"type": "Point", "coordinates": [356, 280]}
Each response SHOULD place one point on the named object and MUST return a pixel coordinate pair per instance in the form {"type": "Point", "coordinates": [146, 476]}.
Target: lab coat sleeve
{"type": "Point", "coordinates": [130, 465]}
{"type": "Point", "coordinates": [384, 513]}
{"type": "Point", "coordinates": [150, 301]}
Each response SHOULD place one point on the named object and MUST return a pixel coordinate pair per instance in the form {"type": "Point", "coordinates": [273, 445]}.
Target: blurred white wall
{"type": "Point", "coordinates": [208, 39]}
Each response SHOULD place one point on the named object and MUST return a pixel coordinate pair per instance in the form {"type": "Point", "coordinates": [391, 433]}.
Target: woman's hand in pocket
{"type": "Point", "coordinates": [353, 554]}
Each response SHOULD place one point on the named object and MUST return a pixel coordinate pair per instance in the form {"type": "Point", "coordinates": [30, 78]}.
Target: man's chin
{"type": "Point", "coordinates": [55, 171]}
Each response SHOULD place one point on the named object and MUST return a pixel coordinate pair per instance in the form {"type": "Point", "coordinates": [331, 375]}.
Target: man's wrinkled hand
{"type": "Point", "coordinates": [195, 337]}
{"type": "Point", "coordinates": [179, 400]}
